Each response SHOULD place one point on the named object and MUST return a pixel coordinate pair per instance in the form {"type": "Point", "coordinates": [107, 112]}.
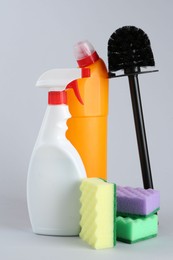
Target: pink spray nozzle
{"type": "Point", "coordinates": [85, 53]}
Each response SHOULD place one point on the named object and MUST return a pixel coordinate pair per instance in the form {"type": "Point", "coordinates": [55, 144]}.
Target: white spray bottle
{"type": "Point", "coordinates": [55, 169]}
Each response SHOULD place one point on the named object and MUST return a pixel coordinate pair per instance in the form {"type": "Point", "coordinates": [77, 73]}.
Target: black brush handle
{"type": "Point", "coordinates": [140, 131]}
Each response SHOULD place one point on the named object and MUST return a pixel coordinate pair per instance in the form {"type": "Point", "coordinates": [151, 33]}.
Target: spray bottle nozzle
{"type": "Point", "coordinates": [62, 79]}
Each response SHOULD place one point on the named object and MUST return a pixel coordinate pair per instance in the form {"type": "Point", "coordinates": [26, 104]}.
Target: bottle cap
{"type": "Point", "coordinates": [85, 53]}
{"type": "Point", "coordinates": [57, 97]}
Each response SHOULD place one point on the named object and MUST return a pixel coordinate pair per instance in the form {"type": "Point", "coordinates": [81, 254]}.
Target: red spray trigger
{"type": "Point", "coordinates": [85, 72]}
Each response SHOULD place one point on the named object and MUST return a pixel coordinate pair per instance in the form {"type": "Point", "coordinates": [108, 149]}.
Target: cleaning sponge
{"type": "Point", "coordinates": [98, 213]}
{"type": "Point", "coordinates": [131, 230]}
{"type": "Point", "coordinates": [137, 201]}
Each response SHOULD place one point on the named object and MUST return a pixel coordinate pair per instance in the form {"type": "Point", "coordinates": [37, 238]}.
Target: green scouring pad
{"type": "Point", "coordinates": [131, 230]}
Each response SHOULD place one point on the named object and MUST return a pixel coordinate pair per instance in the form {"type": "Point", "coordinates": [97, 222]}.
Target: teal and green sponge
{"type": "Point", "coordinates": [131, 230]}
{"type": "Point", "coordinates": [98, 213]}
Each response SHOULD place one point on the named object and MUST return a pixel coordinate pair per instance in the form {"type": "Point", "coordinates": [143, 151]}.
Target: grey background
{"type": "Point", "coordinates": [39, 35]}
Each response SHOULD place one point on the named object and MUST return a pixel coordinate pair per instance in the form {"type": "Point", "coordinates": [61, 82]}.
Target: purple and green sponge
{"type": "Point", "coordinates": [137, 201]}
{"type": "Point", "coordinates": [136, 218]}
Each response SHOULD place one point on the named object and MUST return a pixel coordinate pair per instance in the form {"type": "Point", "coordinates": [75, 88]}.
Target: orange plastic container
{"type": "Point", "coordinates": [87, 128]}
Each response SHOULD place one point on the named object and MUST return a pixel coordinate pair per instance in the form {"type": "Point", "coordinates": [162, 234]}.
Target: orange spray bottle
{"type": "Point", "coordinates": [87, 128]}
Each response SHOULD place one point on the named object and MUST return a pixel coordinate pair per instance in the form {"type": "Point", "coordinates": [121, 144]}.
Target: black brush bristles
{"type": "Point", "coordinates": [129, 47]}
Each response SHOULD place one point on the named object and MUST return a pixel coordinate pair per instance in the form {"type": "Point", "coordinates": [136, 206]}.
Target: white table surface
{"type": "Point", "coordinates": [18, 242]}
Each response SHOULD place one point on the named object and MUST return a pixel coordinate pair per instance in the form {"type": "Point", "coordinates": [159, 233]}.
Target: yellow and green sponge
{"type": "Point", "coordinates": [98, 213]}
